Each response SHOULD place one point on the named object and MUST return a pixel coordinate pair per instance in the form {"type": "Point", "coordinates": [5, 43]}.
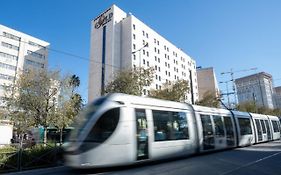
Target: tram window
{"type": "Point", "coordinates": [170, 125]}
{"type": "Point", "coordinates": [263, 126]}
{"type": "Point", "coordinates": [275, 126]}
{"type": "Point", "coordinates": [104, 127]}
{"type": "Point", "coordinates": [219, 128]}
{"type": "Point", "coordinates": [245, 126]}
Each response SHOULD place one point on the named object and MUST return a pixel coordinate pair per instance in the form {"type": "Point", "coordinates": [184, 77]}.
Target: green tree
{"type": "Point", "coordinates": [175, 91]}
{"type": "Point", "coordinates": [249, 106]}
{"type": "Point", "coordinates": [70, 104]}
{"type": "Point", "coordinates": [40, 96]}
{"type": "Point", "coordinates": [209, 99]}
{"type": "Point", "coordinates": [131, 81]}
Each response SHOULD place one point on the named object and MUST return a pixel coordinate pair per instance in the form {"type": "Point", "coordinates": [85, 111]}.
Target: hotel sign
{"type": "Point", "coordinates": [103, 19]}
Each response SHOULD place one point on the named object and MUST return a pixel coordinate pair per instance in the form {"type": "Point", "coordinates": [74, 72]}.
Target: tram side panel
{"type": "Point", "coordinates": [275, 127]}
{"type": "Point", "coordinates": [245, 127]}
{"type": "Point", "coordinates": [216, 129]}
{"type": "Point", "coordinates": [172, 133]}
{"type": "Point", "coordinates": [261, 131]}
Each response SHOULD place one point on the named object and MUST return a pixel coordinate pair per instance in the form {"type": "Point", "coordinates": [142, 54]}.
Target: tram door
{"type": "Point", "coordinates": [141, 134]}
{"type": "Point", "coordinates": [268, 130]}
{"type": "Point", "coordinates": [208, 133]}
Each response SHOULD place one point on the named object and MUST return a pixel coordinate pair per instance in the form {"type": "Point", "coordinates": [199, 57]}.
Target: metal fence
{"type": "Point", "coordinates": [19, 157]}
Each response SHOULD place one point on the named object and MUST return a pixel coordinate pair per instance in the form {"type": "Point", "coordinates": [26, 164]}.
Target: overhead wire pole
{"type": "Point", "coordinates": [231, 72]}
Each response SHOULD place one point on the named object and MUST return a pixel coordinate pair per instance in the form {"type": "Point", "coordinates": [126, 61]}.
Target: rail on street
{"type": "Point", "coordinates": [260, 159]}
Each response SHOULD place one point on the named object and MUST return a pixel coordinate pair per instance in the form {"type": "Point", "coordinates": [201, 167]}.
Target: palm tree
{"type": "Point", "coordinates": [74, 82]}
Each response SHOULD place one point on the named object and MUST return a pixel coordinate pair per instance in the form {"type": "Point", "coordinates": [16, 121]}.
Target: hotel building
{"type": "Point", "coordinates": [121, 41]}
{"type": "Point", "coordinates": [18, 52]}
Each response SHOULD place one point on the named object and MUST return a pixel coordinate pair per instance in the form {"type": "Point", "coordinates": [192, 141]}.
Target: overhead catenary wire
{"type": "Point", "coordinates": [70, 54]}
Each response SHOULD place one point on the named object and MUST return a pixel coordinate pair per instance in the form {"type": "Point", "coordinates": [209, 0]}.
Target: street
{"type": "Point", "coordinates": [261, 159]}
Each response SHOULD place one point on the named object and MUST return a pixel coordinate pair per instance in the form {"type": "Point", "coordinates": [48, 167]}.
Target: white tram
{"type": "Point", "coordinates": [121, 129]}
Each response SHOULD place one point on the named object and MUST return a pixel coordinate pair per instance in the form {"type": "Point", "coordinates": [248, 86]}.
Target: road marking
{"type": "Point", "coordinates": [251, 163]}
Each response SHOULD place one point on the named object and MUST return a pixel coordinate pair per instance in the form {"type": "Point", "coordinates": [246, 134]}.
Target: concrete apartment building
{"type": "Point", "coordinates": [256, 87]}
{"type": "Point", "coordinates": [207, 82]}
{"type": "Point", "coordinates": [121, 41]}
{"type": "Point", "coordinates": [18, 52]}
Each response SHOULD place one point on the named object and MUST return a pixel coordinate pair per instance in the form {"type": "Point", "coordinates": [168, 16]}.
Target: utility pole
{"type": "Point", "coordinates": [227, 92]}
{"type": "Point", "coordinates": [231, 72]}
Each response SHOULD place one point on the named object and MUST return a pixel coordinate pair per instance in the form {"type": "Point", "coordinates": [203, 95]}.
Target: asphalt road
{"type": "Point", "coordinates": [261, 159]}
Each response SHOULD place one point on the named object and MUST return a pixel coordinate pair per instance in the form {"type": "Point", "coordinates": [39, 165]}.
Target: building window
{"type": "Point", "coordinates": [7, 66]}
{"type": "Point", "coordinates": [146, 35]}
{"type": "Point", "coordinates": [134, 26]}
{"type": "Point", "coordinates": [134, 46]}
{"type": "Point", "coordinates": [147, 53]}
{"type": "Point", "coordinates": [158, 43]}
{"type": "Point", "coordinates": [34, 63]}
{"type": "Point", "coordinates": [156, 77]}
{"type": "Point", "coordinates": [134, 57]}
{"type": "Point", "coordinates": [134, 36]}
{"type": "Point", "coordinates": [158, 51]}
{"type": "Point", "coordinates": [143, 33]}
{"type": "Point", "coordinates": [8, 56]}
{"type": "Point", "coordinates": [156, 86]}
{"type": "Point", "coordinates": [11, 36]}
{"type": "Point", "coordinates": [35, 44]}
{"type": "Point", "coordinates": [143, 51]}
{"type": "Point", "coordinates": [10, 46]}
{"type": "Point", "coordinates": [147, 63]}
{"type": "Point", "coordinates": [143, 61]}
{"type": "Point", "coordinates": [158, 60]}
{"type": "Point", "coordinates": [35, 54]}
{"type": "Point", "coordinates": [155, 58]}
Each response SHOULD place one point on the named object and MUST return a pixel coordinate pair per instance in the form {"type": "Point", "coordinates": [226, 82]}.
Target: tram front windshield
{"type": "Point", "coordinates": [83, 118]}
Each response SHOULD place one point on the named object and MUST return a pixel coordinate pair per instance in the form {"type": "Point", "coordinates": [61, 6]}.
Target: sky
{"type": "Point", "coordinates": [223, 34]}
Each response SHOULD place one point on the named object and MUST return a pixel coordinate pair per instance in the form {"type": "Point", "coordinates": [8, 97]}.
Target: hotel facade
{"type": "Point", "coordinates": [121, 41]}
{"type": "Point", "coordinates": [19, 52]}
